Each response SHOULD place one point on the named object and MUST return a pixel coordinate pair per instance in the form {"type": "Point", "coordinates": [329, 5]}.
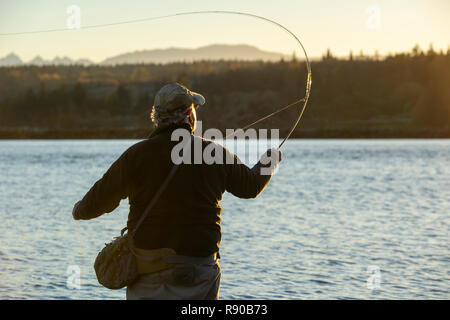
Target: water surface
{"type": "Point", "coordinates": [335, 210]}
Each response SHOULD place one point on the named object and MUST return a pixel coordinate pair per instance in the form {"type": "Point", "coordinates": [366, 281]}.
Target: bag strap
{"type": "Point", "coordinates": [157, 195]}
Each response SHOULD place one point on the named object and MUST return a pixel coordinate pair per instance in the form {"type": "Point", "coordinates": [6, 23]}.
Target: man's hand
{"type": "Point", "coordinates": [74, 211]}
{"type": "Point", "coordinates": [272, 156]}
{"type": "Point", "coordinates": [270, 160]}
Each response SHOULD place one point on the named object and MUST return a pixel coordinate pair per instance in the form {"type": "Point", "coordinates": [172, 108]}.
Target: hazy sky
{"type": "Point", "coordinates": [386, 26]}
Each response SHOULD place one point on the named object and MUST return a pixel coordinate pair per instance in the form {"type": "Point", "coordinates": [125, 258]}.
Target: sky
{"type": "Point", "coordinates": [367, 25]}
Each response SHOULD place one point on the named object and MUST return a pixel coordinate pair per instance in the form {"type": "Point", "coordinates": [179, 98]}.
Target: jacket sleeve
{"type": "Point", "coordinates": [106, 194]}
{"type": "Point", "coordinates": [244, 182]}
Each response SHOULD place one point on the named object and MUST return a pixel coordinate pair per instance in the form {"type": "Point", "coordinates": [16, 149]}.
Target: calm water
{"type": "Point", "coordinates": [335, 213]}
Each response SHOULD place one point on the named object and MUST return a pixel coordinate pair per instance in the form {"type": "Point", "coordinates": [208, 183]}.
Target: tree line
{"type": "Point", "coordinates": [404, 94]}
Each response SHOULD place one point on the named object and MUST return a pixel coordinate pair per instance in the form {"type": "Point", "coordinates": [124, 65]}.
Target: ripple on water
{"type": "Point", "coordinates": [333, 209]}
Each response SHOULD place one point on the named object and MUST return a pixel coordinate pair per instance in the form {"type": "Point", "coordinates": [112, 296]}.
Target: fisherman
{"type": "Point", "coordinates": [184, 223]}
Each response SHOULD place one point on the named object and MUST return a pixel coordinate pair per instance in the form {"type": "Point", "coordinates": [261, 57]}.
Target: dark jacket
{"type": "Point", "coordinates": [186, 217]}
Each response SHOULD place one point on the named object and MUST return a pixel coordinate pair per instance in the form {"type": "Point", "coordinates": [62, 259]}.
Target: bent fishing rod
{"type": "Point", "coordinates": [308, 66]}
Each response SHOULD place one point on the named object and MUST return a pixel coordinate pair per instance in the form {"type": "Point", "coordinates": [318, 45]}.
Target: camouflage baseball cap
{"type": "Point", "coordinates": [174, 96]}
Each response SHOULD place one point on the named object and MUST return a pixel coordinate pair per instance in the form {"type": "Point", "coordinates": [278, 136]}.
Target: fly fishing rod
{"type": "Point", "coordinates": [308, 66]}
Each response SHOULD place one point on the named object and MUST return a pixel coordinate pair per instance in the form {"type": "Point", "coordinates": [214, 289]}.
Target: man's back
{"type": "Point", "coordinates": [186, 217]}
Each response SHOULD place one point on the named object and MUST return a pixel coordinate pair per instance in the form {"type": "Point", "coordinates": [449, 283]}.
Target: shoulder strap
{"type": "Point", "coordinates": [156, 196]}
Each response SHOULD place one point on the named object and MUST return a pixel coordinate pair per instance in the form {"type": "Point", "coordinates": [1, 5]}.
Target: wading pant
{"type": "Point", "coordinates": [182, 282]}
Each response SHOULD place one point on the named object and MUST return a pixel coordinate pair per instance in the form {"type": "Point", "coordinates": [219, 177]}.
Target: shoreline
{"type": "Point", "coordinates": [105, 133]}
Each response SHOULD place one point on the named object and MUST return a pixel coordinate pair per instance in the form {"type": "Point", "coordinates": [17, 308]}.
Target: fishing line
{"type": "Point", "coordinates": [81, 255]}
{"type": "Point", "coordinates": [308, 65]}
{"type": "Point", "coordinates": [266, 117]}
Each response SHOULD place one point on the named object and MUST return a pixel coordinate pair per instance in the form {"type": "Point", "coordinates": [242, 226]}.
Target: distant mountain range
{"type": "Point", "coordinates": [14, 60]}
{"type": "Point", "coordinates": [211, 52]}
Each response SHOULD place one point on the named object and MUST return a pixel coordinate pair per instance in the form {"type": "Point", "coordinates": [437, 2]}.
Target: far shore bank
{"type": "Point", "coordinates": [106, 133]}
